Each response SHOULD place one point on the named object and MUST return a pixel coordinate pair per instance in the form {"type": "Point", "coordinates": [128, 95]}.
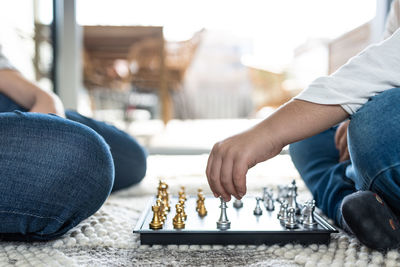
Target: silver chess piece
{"type": "Point", "coordinates": [282, 193]}
{"type": "Point", "coordinates": [308, 214]}
{"type": "Point", "coordinates": [291, 222]}
{"type": "Point", "coordinates": [237, 204]}
{"type": "Point", "coordinates": [223, 223]}
{"type": "Point", "coordinates": [265, 193]}
{"type": "Point", "coordinates": [257, 210]}
{"type": "Point", "coordinates": [281, 209]}
{"type": "Point", "coordinates": [292, 196]}
{"type": "Point", "coordinates": [270, 206]}
{"type": "Point", "coordinates": [284, 213]}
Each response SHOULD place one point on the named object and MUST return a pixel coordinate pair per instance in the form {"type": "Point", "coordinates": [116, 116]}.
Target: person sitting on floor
{"type": "Point", "coordinates": [354, 173]}
{"type": "Point", "coordinates": [57, 167]}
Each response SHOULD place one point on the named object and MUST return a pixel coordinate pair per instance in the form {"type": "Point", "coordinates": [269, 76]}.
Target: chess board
{"type": "Point", "coordinates": [246, 228]}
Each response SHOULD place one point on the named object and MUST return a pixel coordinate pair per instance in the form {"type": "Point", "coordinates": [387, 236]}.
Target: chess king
{"type": "Point", "coordinates": [352, 167]}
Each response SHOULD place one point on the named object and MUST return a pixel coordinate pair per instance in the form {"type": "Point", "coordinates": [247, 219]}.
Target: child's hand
{"type": "Point", "coordinates": [341, 141]}
{"type": "Point", "coordinates": [231, 158]}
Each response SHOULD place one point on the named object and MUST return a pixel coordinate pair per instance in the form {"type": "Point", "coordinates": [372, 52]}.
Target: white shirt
{"type": "Point", "coordinates": [374, 70]}
{"type": "Point", "coordinates": [4, 63]}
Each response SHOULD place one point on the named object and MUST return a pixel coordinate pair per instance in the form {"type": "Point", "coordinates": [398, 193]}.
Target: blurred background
{"type": "Point", "coordinates": [181, 75]}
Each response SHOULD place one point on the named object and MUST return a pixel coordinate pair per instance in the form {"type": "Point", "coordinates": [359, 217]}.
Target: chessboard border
{"type": "Point", "coordinates": [179, 237]}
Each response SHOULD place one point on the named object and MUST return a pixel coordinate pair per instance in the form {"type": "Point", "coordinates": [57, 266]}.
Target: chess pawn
{"type": "Point", "coordinates": [284, 215]}
{"type": "Point", "coordinates": [291, 221]}
{"type": "Point", "coordinates": [270, 206]}
{"type": "Point", "coordinates": [237, 204]}
{"type": "Point", "coordinates": [178, 221]}
{"type": "Point", "coordinates": [202, 211]}
{"type": "Point", "coordinates": [223, 223]}
{"type": "Point", "coordinates": [257, 210]}
{"type": "Point", "coordinates": [182, 203]}
{"type": "Point", "coordinates": [156, 222]}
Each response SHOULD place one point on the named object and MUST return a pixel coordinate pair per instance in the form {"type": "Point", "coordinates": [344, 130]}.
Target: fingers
{"type": "Point", "coordinates": [345, 155]}
{"type": "Point", "coordinates": [239, 178]}
{"type": "Point", "coordinates": [208, 172]}
{"type": "Point", "coordinates": [215, 179]}
{"type": "Point", "coordinates": [226, 178]}
{"type": "Point", "coordinates": [343, 148]}
{"type": "Point", "coordinates": [339, 135]}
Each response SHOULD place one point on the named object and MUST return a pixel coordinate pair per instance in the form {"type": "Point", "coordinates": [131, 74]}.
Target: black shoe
{"type": "Point", "coordinates": [371, 220]}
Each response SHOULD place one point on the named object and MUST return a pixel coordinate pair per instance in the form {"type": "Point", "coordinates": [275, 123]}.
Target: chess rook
{"type": "Point", "coordinates": [156, 223]}
{"type": "Point", "coordinates": [308, 215]}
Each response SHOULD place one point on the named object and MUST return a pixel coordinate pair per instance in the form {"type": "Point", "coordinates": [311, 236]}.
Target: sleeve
{"type": "Point", "coordinates": [393, 21]}
{"type": "Point", "coordinates": [4, 62]}
{"type": "Point", "coordinates": [374, 70]}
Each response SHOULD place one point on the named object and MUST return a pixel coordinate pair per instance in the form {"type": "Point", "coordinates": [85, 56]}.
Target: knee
{"type": "Point", "coordinates": [130, 166]}
{"type": "Point", "coordinates": [70, 170]}
{"type": "Point", "coordinates": [374, 125]}
{"type": "Point", "coordinates": [88, 167]}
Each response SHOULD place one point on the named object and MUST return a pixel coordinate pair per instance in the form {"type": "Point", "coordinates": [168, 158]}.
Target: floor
{"type": "Point", "coordinates": [106, 238]}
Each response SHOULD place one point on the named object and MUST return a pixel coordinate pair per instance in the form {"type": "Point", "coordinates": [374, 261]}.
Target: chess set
{"type": "Point", "coordinates": [252, 220]}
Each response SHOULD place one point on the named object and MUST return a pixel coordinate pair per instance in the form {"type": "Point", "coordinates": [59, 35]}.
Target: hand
{"type": "Point", "coordinates": [341, 141]}
{"type": "Point", "coordinates": [231, 158]}
{"type": "Point", "coordinates": [48, 103]}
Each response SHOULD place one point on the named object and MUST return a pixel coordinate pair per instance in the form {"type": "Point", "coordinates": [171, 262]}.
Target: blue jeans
{"type": "Point", "coordinates": [56, 172]}
{"type": "Point", "coordinates": [374, 165]}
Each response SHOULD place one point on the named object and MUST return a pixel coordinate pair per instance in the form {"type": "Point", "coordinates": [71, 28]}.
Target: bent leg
{"type": "Point", "coordinates": [53, 174]}
{"type": "Point", "coordinates": [375, 148]}
{"type": "Point", "coordinates": [129, 156]}
{"type": "Point", "coordinates": [317, 160]}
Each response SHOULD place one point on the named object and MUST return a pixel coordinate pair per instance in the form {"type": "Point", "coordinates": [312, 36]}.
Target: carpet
{"type": "Point", "coordinates": [106, 238]}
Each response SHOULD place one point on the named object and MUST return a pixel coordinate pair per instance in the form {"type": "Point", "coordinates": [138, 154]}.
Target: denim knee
{"type": "Point", "coordinates": [63, 174]}
{"type": "Point", "coordinates": [130, 166]}
{"type": "Point", "coordinates": [373, 137]}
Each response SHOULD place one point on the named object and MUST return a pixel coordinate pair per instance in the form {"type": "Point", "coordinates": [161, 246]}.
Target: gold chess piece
{"type": "Point", "coordinates": [202, 211]}
{"type": "Point", "coordinates": [182, 193]}
{"type": "Point", "coordinates": [200, 195]}
{"type": "Point", "coordinates": [156, 222]}
{"type": "Point", "coordinates": [160, 188]}
{"type": "Point", "coordinates": [165, 197]}
{"type": "Point", "coordinates": [178, 221]}
{"type": "Point", "coordinates": [182, 203]}
{"type": "Point", "coordinates": [161, 212]}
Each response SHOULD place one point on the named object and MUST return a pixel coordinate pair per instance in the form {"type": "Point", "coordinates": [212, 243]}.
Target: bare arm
{"type": "Point", "coordinates": [231, 158]}
{"type": "Point", "coordinates": [28, 95]}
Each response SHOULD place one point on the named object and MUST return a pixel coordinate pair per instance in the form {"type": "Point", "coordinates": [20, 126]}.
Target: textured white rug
{"type": "Point", "coordinates": [106, 239]}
